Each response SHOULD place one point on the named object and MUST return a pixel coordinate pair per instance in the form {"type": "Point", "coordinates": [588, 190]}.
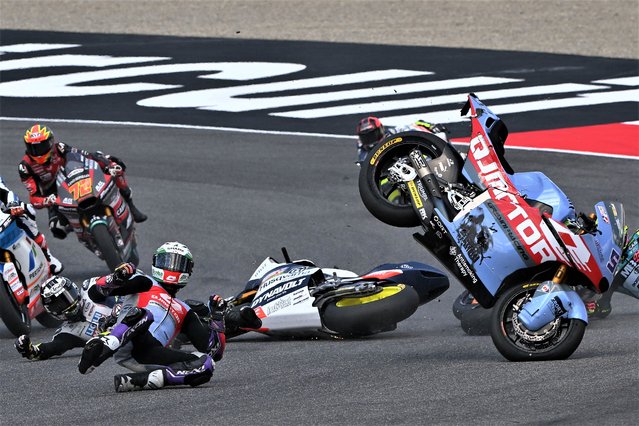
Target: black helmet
{"type": "Point", "coordinates": [61, 298]}
{"type": "Point", "coordinates": [370, 131]}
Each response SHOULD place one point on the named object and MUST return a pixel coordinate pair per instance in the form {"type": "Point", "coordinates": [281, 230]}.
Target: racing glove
{"type": "Point", "coordinates": [50, 200]}
{"type": "Point", "coordinates": [114, 169]}
{"type": "Point", "coordinates": [16, 208]}
{"type": "Point", "coordinates": [123, 272]}
{"type": "Point", "coordinates": [57, 228]}
{"type": "Point", "coordinates": [26, 349]}
{"type": "Point", "coordinates": [217, 339]}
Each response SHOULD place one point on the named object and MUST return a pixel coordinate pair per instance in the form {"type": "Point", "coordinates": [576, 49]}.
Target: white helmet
{"type": "Point", "coordinates": [172, 264]}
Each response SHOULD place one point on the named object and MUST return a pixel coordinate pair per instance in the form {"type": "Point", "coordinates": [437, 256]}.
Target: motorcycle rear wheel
{"type": "Point", "coordinates": [16, 317]}
{"type": "Point", "coordinates": [555, 341]}
{"type": "Point", "coordinates": [388, 201]}
{"type": "Point", "coordinates": [105, 243]}
{"type": "Point", "coordinates": [363, 316]}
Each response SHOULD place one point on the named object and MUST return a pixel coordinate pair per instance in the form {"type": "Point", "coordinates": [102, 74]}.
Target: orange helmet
{"type": "Point", "coordinates": [39, 141]}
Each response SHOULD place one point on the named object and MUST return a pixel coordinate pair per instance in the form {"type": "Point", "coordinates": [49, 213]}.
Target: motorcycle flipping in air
{"type": "Point", "coordinates": [502, 234]}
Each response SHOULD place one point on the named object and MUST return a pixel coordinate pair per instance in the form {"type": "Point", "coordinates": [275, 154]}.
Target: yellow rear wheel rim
{"type": "Point", "coordinates": [386, 292]}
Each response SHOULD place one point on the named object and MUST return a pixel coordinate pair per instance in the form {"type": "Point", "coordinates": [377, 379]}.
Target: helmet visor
{"type": "Point", "coordinates": [173, 262]}
{"type": "Point", "coordinates": [371, 137]}
{"type": "Point", "coordinates": [63, 303]}
{"type": "Point", "coordinates": [38, 149]}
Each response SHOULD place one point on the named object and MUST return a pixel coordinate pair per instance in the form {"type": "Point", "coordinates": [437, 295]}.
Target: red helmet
{"type": "Point", "coordinates": [39, 142]}
{"type": "Point", "coordinates": [370, 131]}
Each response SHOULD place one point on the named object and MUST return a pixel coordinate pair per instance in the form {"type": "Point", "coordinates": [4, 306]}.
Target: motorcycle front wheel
{"type": "Point", "coordinates": [388, 201]}
{"type": "Point", "coordinates": [105, 243]}
{"type": "Point", "coordinates": [556, 340]}
{"type": "Point", "coordinates": [366, 315]}
{"type": "Point", "coordinates": [16, 317]}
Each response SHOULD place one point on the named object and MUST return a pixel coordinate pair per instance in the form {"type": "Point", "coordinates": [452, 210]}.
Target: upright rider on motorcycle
{"type": "Point", "coordinates": [40, 164]}
{"type": "Point", "coordinates": [25, 215]}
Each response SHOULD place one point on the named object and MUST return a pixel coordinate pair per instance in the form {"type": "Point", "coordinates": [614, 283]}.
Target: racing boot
{"type": "Point", "coordinates": [138, 216]}
{"type": "Point", "coordinates": [99, 349]}
{"type": "Point", "coordinates": [55, 266]}
{"type": "Point", "coordinates": [96, 351]}
{"type": "Point", "coordinates": [193, 373]}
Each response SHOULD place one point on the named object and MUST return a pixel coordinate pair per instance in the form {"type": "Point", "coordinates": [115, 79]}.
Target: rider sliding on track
{"type": "Point", "coordinates": [152, 316]}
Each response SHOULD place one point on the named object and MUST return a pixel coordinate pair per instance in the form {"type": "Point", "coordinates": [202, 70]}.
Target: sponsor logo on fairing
{"type": "Point", "coordinates": [277, 290]}
{"type": "Point", "coordinates": [603, 213]}
{"type": "Point", "coordinates": [495, 180]}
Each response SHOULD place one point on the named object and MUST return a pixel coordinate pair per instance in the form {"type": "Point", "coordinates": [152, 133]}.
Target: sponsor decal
{"type": "Point", "coordinates": [414, 195]}
{"type": "Point", "coordinates": [383, 148]}
{"type": "Point", "coordinates": [493, 176]}
{"type": "Point", "coordinates": [505, 226]}
{"type": "Point", "coordinates": [283, 275]}
{"type": "Point", "coordinates": [613, 261]}
{"type": "Point", "coordinates": [278, 304]}
{"type": "Point", "coordinates": [35, 273]}
{"type": "Point", "coordinates": [603, 213]}
{"type": "Point", "coordinates": [265, 296]}
{"type": "Point", "coordinates": [557, 307]}
{"type": "Point", "coordinates": [476, 237]}
{"type": "Point", "coordinates": [545, 288]}
{"type": "Point", "coordinates": [91, 329]}
{"type": "Point", "coordinates": [192, 371]}
{"type": "Point", "coordinates": [465, 269]}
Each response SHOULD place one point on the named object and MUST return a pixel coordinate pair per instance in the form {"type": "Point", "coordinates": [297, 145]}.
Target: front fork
{"type": "Point", "coordinates": [552, 300]}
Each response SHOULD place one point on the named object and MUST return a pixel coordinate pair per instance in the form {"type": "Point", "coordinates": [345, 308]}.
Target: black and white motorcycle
{"type": "Point", "coordinates": [298, 298]}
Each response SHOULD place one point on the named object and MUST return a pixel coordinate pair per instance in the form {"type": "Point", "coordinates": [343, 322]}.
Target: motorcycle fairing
{"type": "Point", "coordinates": [428, 281]}
{"type": "Point", "coordinates": [10, 233]}
{"type": "Point", "coordinates": [551, 301]}
{"type": "Point", "coordinates": [283, 301]}
{"type": "Point", "coordinates": [29, 264]}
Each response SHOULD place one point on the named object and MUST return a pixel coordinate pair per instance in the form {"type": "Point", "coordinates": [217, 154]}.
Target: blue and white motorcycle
{"type": "Point", "coordinates": [512, 239]}
{"type": "Point", "coordinates": [23, 268]}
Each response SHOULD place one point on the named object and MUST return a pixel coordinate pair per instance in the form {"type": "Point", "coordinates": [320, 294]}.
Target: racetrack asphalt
{"type": "Point", "coordinates": [237, 198]}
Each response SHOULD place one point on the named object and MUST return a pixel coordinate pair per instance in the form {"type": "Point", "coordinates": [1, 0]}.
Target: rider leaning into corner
{"type": "Point", "coordinates": [152, 316]}
{"type": "Point", "coordinates": [40, 164]}
{"type": "Point", "coordinates": [25, 215]}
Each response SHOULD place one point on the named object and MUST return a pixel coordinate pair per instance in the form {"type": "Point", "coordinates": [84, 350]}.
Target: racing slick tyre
{"type": "Point", "coordinates": [49, 321]}
{"type": "Point", "coordinates": [16, 317]}
{"type": "Point", "coordinates": [366, 315]}
{"type": "Point", "coordinates": [388, 201]}
{"type": "Point", "coordinates": [134, 257]}
{"type": "Point", "coordinates": [475, 319]}
{"type": "Point", "coordinates": [556, 340]}
{"type": "Point", "coordinates": [105, 243]}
